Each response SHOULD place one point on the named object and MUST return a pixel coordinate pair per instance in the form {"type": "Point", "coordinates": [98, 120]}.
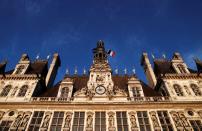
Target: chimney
{"type": "Point", "coordinates": [52, 72]}
{"type": "Point", "coordinates": [148, 70]}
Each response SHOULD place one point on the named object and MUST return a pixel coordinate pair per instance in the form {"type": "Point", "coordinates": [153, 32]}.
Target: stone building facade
{"type": "Point", "coordinates": [101, 100]}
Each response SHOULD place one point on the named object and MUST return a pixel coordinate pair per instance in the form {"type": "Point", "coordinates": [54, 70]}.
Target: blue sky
{"type": "Point", "coordinates": [72, 28]}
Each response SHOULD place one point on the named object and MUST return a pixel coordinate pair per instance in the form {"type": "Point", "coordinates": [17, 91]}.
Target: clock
{"type": "Point", "coordinates": [100, 90]}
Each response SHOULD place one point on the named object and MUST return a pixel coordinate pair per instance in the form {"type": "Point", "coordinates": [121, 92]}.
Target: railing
{"type": "Point", "coordinates": [150, 99]}
{"type": "Point", "coordinates": [49, 99]}
{"type": "Point", "coordinates": [131, 99]}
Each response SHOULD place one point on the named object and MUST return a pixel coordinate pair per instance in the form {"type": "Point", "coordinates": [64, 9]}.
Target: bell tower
{"type": "Point", "coordinates": [100, 82]}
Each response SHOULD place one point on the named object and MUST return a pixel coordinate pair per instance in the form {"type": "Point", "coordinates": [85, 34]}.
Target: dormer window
{"type": "Point", "coordinates": [23, 91]}
{"type": "Point", "coordinates": [64, 92]}
{"type": "Point", "coordinates": [178, 90]}
{"type": "Point", "coordinates": [181, 68]}
{"type": "Point", "coordinates": [196, 90]}
{"type": "Point", "coordinates": [136, 91]}
{"type": "Point", "coordinates": [20, 69]}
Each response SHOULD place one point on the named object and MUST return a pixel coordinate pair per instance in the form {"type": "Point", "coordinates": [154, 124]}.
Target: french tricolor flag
{"type": "Point", "coordinates": [111, 53]}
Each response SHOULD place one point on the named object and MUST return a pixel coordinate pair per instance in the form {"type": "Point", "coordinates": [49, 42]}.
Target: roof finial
{"type": "Point", "coordinates": [48, 57]}
{"type": "Point", "coordinates": [116, 71]}
{"type": "Point", "coordinates": [67, 71]}
{"type": "Point", "coordinates": [134, 71]}
{"type": "Point", "coordinates": [164, 55]}
{"type": "Point", "coordinates": [37, 56]}
{"type": "Point", "coordinates": [84, 71]}
{"type": "Point", "coordinates": [125, 71]}
{"type": "Point", "coordinates": [75, 71]}
{"type": "Point", "coordinates": [152, 55]}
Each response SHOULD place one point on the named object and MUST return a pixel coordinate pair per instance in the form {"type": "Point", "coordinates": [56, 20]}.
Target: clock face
{"type": "Point", "coordinates": [100, 90]}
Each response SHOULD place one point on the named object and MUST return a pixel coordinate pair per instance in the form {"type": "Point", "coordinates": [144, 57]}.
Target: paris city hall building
{"type": "Point", "coordinates": [100, 99]}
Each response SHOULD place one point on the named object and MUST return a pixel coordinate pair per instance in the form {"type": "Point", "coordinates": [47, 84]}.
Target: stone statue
{"type": "Point", "coordinates": [154, 119]}
{"type": "Point", "coordinates": [25, 121]}
{"type": "Point", "coordinates": [89, 121]}
{"type": "Point", "coordinates": [176, 120]}
{"type": "Point", "coordinates": [111, 121]}
{"type": "Point", "coordinates": [68, 119]}
{"type": "Point", "coordinates": [18, 120]}
{"type": "Point", "coordinates": [184, 120]}
{"type": "Point", "coordinates": [133, 121]}
{"type": "Point", "coordinates": [46, 120]}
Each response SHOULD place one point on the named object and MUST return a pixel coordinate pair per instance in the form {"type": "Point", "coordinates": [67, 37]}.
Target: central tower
{"type": "Point", "coordinates": [100, 82]}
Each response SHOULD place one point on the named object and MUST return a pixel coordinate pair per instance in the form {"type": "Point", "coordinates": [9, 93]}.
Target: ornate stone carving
{"type": "Point", "coordinates": [14, 91]}
{"type": "Point", "coordinates": [155, 122]}
{"type": "Point", "coordinates": [187, 90]}
{"type": "Point", "coordinates": [18, 120]}
{"type": "Point", "coordinates": [111, 120]}
{"type": "Point", "coordinates": [89, 121]}
{"type": "Point", "coordinates": [1, 114]}
{"type": "Point", "coordinates": [25, 120]}
{"type": "Point", "coordinates": [46, 120]}
{"type": "Point", "coordinates": [180, 120]}
{"type": "Point", "coordinates": [110, 92]}
{"type": "Point", "coordinates": [68, 118]}
{"type": "Point", "coordinates": [200, 113]}
{"type": "Point", "coordinates": [90, 93]}
{"type": "Point", "coordinates": [183, 119]}
{"type": "Point", "coordinates": [133, 121]}
{"type": "Point", "coordinates": [176, 119]}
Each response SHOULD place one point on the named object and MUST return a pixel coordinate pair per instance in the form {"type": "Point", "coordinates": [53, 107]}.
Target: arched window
{"type": "Point", "coordinates": [5, 90]}
{"type": "Point", "coordinates": [64, 92]}
{"type": "Point", "coordinates": [196, 90]}
{"type": "Point", "coordinates": [178, 90]}
{"type": "Point", "coordinates": [23, 90]}
{"type": "Point", "coordinates": [181, 68]}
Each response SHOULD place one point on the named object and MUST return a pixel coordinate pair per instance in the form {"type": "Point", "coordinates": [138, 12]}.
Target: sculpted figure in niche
{"type": "Point", "coordinates": [176, 120]}
{"type": "Point", "coordinates": [133, 121]}
{"type": "Point", "coordinates": [68, 120]}
{"type": "Point", "coordinates": [89, 121]}
{"type": "Point", "coordinates": [25, 121]}
{"type": "Point", "coordinates": [1, 114]}
{"type": "Point", "coordinates": [18, 120]}
{"type": "Point", "coordinates": [154, 119]}
{"type": "Point", "coordinates": [184, 120]}
{"type": "Point", "coordinates": [46, 120]}
{"type": "Point", "coordinates": [111, 119]}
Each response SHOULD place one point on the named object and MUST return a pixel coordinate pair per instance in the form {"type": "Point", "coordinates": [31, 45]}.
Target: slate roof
{"type": "Point", "coordinates": [162, 66]}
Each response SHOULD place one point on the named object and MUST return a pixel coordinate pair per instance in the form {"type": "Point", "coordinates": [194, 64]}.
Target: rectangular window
{"type": "Point", "coordinates": [143, 121]}
{"type": "Point", "coordinates": [5, 125]}
{"type": "Point", "coordinates": [196, 125]}
{"type": "Point", "coordinates": [57, 120]}
{"type": "Point", "coordinates": [100, 121]}
{"type": "Point", "coordinates": [136, 91]}
{"type": "Point", "coordinates": [78, 123]}
{"type": "Point", "coordinates": [122, 122]}
{"type": "Point", "coordinates": [165, 121]}
{"type": "Point", "coordinates": [36, 121]}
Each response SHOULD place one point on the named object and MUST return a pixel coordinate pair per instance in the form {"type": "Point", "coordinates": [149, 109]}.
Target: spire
{"type": "Point", "coordinates": [100, 55]}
